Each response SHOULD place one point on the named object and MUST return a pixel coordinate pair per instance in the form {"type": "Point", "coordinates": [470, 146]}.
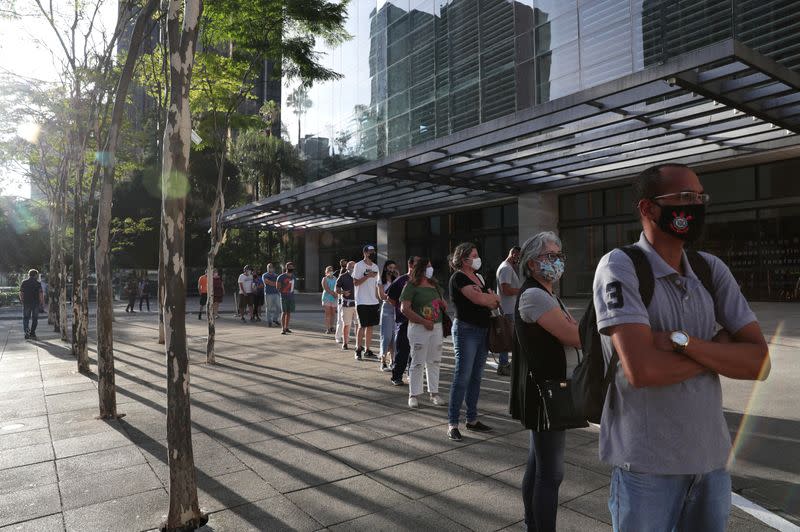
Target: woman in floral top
{"type": "Point", "coordinates": [422, 303]}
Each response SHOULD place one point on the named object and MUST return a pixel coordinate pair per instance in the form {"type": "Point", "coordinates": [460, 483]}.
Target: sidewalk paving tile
{"type": "Point", "coordinates": [91, 463]}
{"type": "Point", "coordinates": [411, 515]}
{"type": "Point", "coordinates": [30, 503]}
{"type": "Point", "coordinates": [107, 485]}
{"type": "Point", "coordinates": [500, 504]}
{"type": "Point", "coordinates": [141, 511]}
{"type": "Point", "coordinates": [27, 477]}
{"type": "Point", "coordinates": [50, 523]}
{"type": "Point", "coordinates": [424, 477]}
{"type": "Point", "coordinates": [276, 514]}
{"type": "Point", "coordinates": [29, 454]}
{"type": "Point", "coordinates": [231, 490]}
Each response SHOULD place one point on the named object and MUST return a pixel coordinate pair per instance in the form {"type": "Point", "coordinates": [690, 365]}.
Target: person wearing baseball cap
{"type": "Point", "coordinates": [365, 279]}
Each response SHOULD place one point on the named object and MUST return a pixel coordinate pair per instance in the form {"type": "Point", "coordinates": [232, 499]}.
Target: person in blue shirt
{"type": "Point", "coordinates": [272, 299]}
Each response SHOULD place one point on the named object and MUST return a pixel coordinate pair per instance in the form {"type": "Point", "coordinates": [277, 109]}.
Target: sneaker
{"type": "Point", "coordinates": [345, 347]}
{"type": "Point", "coordinates": [454, 434]}
{"type": "Point", "coordinates": [283, 331]}
{"type": "Point", "coordinates": [504, 370]}
{"type": "Point", "coordinates": [27, 336]}
{"type": "Point", "coordinates": [370, 354]}
{"type": "Point", "coordinates": [397, 382]}
{"type": "Point", "coordinates": [358, 353]}
{"type": "Point", "coordinates": [385, 366]}
{"type": "Point", "coordinates": [243, 320]}
{"type": "Point", "coordinates": [288, 330]}
{"type": "Point", "coordinates": [413, 402]}
{"type": "Point", "coordinates": [437, 400]}
{"type": "Point", "coordinates": [33, 336]}
{"type": "Point", "coordinates": [478, 427]}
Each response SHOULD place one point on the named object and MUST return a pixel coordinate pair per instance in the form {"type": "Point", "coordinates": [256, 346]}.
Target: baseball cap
{"type": "Point", "coordinates": [368, 247]}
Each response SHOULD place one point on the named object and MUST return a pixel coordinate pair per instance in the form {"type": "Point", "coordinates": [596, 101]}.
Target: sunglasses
{"type": "Point", "coordinates": [687, 197]}
{"type": "Point", "coordinates": [552, 257]}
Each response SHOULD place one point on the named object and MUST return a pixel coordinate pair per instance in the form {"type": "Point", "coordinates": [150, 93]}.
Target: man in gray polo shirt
{"type": "Point", "coordinates": [662, 428]}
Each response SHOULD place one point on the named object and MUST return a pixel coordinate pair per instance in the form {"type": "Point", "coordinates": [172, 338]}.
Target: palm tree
{"type": "Point", "coordinates": [301, 103]}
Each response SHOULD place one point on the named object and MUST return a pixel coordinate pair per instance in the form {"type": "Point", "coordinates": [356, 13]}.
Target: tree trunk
{"type": "Point", "coordinates": [52, 275]}
{"type": "Point", "coordinates": [161, 281]}
{"type": "Point", "coordinates": [79, 292]}
{"type": "Point", "coordinates": [106, 386]}
{"type": "Point", "coordinates": [184, 511]}
{"type": "Point", "coordinates": [216, 241]}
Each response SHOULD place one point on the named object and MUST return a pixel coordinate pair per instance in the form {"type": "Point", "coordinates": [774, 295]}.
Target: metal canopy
{"type": "Point", "coordinates": [713, 103]}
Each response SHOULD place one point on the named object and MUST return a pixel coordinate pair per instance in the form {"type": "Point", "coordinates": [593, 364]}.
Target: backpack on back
{"type": "Point", "coordinates": [591, 379]}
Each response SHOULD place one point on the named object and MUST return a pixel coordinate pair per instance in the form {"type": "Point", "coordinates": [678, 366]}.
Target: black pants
{"type": "Point", "coordinates": [30, 313]}
{"type": "Point", "coordinates": [402, 350]}
{"type": "Point", "coordinates": [131, 303]}
{"type": "Point", "coordinates": [146, 298]}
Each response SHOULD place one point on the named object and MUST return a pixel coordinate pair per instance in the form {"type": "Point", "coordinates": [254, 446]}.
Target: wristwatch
{"type": "Point", "coordinates": [680, 340]}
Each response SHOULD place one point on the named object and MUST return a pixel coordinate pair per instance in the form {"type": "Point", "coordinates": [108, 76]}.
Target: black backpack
{"type": "Point", "coordinates": [591, 379]}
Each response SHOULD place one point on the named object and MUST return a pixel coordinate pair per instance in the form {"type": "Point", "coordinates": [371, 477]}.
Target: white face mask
{"type": "Point", "coordinates": [476, 263]}
{"type": "Point", "coordinates": [429, 272]}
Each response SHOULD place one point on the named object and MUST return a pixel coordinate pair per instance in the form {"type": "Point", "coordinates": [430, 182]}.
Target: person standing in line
{"type": "Point", "coordinates": [544, 329]}
{"type": "Point", "coordinates": [422, 303]}
{"type": "Point", "coordinates": [258, 295]}
{"type": "Point", "coordinates": [144, 293]}
{"type": "Point", "coordinates": [508, 284]}
{"type": "Point", "coordinates": [329, 299]}
{"type": "Point", "coordinates": [365, 278]}
{"type": "Point", "coordinates": [339, 317]}
{"type": "Point", "coordinates": [219, 293]}
{"type": "Point", "coordinates": [663, 430]}
{"type": "Point", "coordinates": [387, 321]}
{"type": "Point", "coordinates": [131, 289]}
{"type": "Point", "coordinates": [285, 284]}
{"type": "Point", "coordinates": [473, 303]}
{"type": "Point", "coordinates": [32, 298]}
{"type": "Point", "coordinates": [402, 348]}
{"type": "Point", "coordinates": [202, 289]}
{"type": "Point", "coordinates": [272, 298]}
{"type": "Point", "coordinates": [345, 288]}
{"type": "Point", "coordinates": [245, 282]}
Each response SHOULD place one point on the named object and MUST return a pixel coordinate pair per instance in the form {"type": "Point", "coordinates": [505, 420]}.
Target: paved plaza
{"type": "Point", "coordinates": [291, 433]}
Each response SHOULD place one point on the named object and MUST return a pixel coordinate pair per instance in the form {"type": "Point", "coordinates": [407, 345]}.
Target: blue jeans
{"type": "Point", "coordinates": [503, 357]}
{"type": "Point", "coordinates": [470, 345]}
{"type": "Point", "coordinates": [30, 313]}
{"type": "Point", "coordinates": [667, 503]}
{"type": "Point", "coordinates": [387, 328]}
{"type": "Point", "coordinates": [542, 479]}
{"type": "Point", "coordinates": [272, 302]}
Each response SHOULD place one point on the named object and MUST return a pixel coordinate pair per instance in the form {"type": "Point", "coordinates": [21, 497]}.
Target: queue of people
{"type": "Point", "coordinates": [665, 342]}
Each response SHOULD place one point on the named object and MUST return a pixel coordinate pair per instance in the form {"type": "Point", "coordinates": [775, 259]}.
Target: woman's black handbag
{"type": "Point", "coordinates": [447, 324]}
{"type": "Point", "coordinates": [556, 410]}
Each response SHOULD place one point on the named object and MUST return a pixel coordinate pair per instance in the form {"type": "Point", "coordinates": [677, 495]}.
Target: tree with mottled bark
{"type": "Point", "coordinates": [182, 32]}
{"type": "Point", "coordinates": [106, 386]}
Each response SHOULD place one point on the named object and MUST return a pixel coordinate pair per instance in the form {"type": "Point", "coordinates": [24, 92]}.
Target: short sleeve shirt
{"type": "Point", "coordinates": [258, 285]}
{"type": "Point", "coordinates": [269, 289]}
{"type": "Point", "coordinates": [285, 285]}
{"type": "Point", "coordinates": [425, 301]}
{"type": "Point", "coordinates": [345, 284]}
{"type": "Point", "coordinates": [367, 292]}
{"type": "Point", "coordinates": [394, 293]}
{"type": "Point", "coordinates": [30, 289]}
{"type": "Point", "coordinates": [466, 310]}
{"type": "Point", "coordinates": [676, 429]}
{"type": "Point", "coordinates": [245, 283]}
{"type": "Point", "coordinates": [534, 303]}
{"type": "Point", "coordinates": [508, 275]}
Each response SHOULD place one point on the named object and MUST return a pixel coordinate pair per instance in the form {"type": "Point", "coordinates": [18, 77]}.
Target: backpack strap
{"type": "Point", "coordinates": [643, 271]}
{"type": "Point", "coordinates": [702, 269]}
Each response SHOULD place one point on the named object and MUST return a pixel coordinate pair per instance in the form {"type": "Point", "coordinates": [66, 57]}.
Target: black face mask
{"type": "Point", "coordinates": [683, 221]}
{"type": "Point", "coordinates": [290, 270]}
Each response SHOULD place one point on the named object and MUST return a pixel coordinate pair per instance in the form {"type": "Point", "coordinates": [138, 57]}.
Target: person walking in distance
{"type": "Point", "coordinates": [32, 298]}
{"type": "Point", "coordinates": [131, 289]}
{"type": "Point", "coordinates": [285, 284]}
{"type": "Point", "coordinates": [508, 284]}
{"type": "Point", "coordinates": [144, 293]}
{"type": "Point", "coordinates": [663, 431]}
{"type": "Point", "coordinates": [202, 289]}
{"type": "Point", "coordinates": [365, 278]}
{"type": "Point", "coordinates": [245, 282]}
{"type": "Point", "coordinates": [402, 348]}
{"type": "Point", "coordinates": [339, 321]}
{"type": "Point", "coordinates": [219, 293]}
{"type": "Point", "coordinates": [329, 299]}
{"type": "Point", "coordinates": [387, 321]}
{"type": "Point", "coordinates": [272, 298]}
{"type": "Point", "coordinates": [345, 289]}
{"type": "Point", "coordinates": [422, 303]}
{"type": "Point", "coordinates": [473, 303]}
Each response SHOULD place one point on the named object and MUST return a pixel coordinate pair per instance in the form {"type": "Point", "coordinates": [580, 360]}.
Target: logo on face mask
{"type": "Point", "coordinates": [684, 222]}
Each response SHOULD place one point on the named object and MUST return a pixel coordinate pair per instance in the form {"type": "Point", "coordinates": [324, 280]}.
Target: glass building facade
{"type": "Point", "coordinates": [417, 70]}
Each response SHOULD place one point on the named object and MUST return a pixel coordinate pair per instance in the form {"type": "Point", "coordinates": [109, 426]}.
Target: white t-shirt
{"type": "Point", "coordinates": [245, 281]}
{"type": "Point", "coordinates": [367, 292]}
{"type": "Point", "coordinates": [507, 274]}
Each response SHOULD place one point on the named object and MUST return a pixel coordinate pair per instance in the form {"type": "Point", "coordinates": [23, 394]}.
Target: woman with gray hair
{"type": "Point", "coordinates": [473, 302]}
{"type": "Point", "coordinates": [543, 327]}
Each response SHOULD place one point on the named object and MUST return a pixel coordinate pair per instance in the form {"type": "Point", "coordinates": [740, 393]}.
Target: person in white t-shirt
{"type": "Point", "coordinates": [245, 292]}
{"type": "Point", "coordinates": [369, 294]}
{"type": "Point", "coordinates": [508, 285]}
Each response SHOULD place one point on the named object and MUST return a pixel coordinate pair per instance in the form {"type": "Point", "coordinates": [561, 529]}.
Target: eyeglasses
{"type": "Point", "coordinates": [552, 257]}
{"type": "Point", "coordinates": [687, 197]}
